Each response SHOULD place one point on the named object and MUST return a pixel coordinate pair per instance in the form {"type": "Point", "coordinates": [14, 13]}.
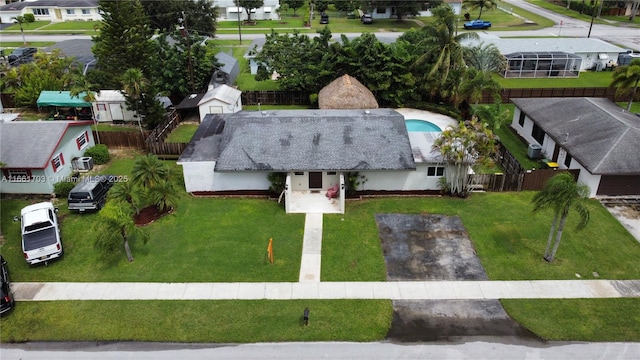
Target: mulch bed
{"type": "Point", "coordinates": [148, 215]}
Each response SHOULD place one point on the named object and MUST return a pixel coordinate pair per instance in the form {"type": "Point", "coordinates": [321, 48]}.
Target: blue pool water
{"type": "Point", "coordinates": [421, 126]}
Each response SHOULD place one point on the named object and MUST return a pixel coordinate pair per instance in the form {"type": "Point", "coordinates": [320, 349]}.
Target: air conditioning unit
{"type": "Point", "coordinates": [534, 151]}
{"type": "Point", "coordinates": [82, 163]}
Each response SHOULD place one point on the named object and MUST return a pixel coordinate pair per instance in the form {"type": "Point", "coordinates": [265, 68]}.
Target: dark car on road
{"type": "Point", "coordinates": [324, 19]}
{"type": "Point", "coordinates": [6, 302]}
{"type": "Point", "coordinates": [22, 55]}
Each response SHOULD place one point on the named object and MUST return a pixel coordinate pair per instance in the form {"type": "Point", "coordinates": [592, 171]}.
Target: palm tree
{"type": "Point", "coordinates": [23, 19]}
{"type": "Point", "coordinates": [440, 38]}
{"type": "Point", "coordinates": [476, 82]}
{"type": "Point", "coordinates": [116, 224]}
{"type": "Point", "coordinates": [81, 85]}
{"type": "Point", "coordinates": [561, 193]}
{"type": "Point", "coordinates": [164, 195]}
{"type": "Point", "coordinates": [148, 171]}
{"type": "Point", "coordinates": [485, 57]}
{"type": "Point", "coordinates": [134, 84]}
{"type": "Point", "coordinates": [493, 115]}
{"type": "Point", "coordinates": [626, 78]}
{"type": "Point", "coordinates": [481, 4]}
{"type": "Point", "coordinates": [128, 193]}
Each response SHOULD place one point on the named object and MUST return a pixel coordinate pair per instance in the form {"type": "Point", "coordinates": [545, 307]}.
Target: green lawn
{"type": "Point", "coordinates": [605, 19]}
{"type": "Point", "coordinates": [586, 79]}
{"type": "Point", "coordinates": [182, 134]}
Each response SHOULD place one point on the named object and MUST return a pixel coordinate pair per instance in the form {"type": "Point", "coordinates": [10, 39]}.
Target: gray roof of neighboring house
{"type": "Point", "coordinates": [77, 48]}
{"type": "Point", "coordinates": [18, 137]}
{"type": "Point", "coordinates": [568, 45]}
{"type": "Point", "coordinates": [299, 140]}
{"type": "Point", "coordinates": [599, 134]}
{"type": "Point", "coordinates": [190, 101]}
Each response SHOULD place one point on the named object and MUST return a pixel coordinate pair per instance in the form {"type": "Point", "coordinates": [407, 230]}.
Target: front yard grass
{"type": "Point", "coordinates": [182, 134]}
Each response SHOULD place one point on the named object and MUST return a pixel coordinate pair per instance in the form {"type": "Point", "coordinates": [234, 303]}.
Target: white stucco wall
{"type": "Point", "coordinates": [301, 182]}
{"type": "Point", "coordinates": [401, 180]}
{"type": "Point", "coordinates": [199, 176]}
{"type": "Point", "coordinates": [585, 177]}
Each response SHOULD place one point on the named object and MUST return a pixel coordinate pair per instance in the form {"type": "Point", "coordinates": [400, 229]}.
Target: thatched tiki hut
{"type": "Point", "coordinates": [346, 92]}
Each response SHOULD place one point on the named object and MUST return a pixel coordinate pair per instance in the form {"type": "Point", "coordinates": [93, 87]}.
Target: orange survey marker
{"type": "Point", "coordinates": [270, 250]}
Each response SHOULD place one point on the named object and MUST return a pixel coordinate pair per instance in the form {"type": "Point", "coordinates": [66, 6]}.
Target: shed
{"type": "Point", "coordinates": [111, 106]}
{"type": "Point", "coordinates": [220, 100]}
{"type": "Point", "coordinates": [227, 72]}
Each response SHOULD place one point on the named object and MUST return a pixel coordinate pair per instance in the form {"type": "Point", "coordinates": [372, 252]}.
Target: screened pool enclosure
{"type": "Point", "coordinates": [542, 64]}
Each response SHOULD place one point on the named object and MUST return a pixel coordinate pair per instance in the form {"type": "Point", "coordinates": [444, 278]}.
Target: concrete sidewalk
{"type": "Point", "coordinates": [394, 290]}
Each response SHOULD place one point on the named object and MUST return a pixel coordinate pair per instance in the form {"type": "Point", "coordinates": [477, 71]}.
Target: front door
{"type": "Point", "coordinates": [315, 180]}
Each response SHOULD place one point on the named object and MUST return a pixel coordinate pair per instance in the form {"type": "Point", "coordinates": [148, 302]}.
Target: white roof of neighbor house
{"type": "Point", "coordinates": [110, 96]}
{"type": "Point", "coordinates": [223, 93]}
{"type": "Point", "coordinates": [568, 45]}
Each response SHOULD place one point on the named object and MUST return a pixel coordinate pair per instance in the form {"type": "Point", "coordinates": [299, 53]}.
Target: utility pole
{"type": "Point", "coordinates": [185, 32]}
{"type": "Point", "coordinates": [239, 29]}
{"type": "Point", "coordinates": [593, 14]}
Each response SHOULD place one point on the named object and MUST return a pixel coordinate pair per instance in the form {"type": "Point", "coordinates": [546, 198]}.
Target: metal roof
{"type": "Point", "coordinates": [599, 134]}
{"type": "Point", "coordinates": [569, 45]}
{"type": "Point", "coordinates": [224, 93]}
{"type": "Point", "coordinates": [299, 140]}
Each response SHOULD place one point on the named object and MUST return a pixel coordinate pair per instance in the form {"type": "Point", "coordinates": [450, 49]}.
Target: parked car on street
{"type": "Point", "coordinates": [366, 19]}
{"type": "Point", "coordinates": [40, 233]}
{"type": "Point", "coordinates": [6, 296]}
{"type": "Point", "coordinates": [477, 24]}
{"type": "Point", "coordinates": [22, 55]}
{"type": "Point", "coordinates": [324, 19]}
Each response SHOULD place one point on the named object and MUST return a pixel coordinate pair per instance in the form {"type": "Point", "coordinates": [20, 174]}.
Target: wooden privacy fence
{"type": "Point", "coordinates": [122, 139]}
{"type": "Point", "coordinates": [530, 180]}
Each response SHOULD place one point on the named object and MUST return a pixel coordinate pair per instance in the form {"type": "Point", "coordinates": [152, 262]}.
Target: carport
{"type": "Point", "coordinates": [66, 106]}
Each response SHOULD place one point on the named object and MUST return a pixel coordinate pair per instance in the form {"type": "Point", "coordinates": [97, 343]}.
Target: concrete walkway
{"type": "Point", "coordinates": [394, 290]}
{"type": "Point", "coordinates": [311, 248]}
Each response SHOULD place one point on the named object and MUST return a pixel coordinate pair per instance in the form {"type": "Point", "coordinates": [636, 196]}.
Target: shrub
{"type": "Point", "coordinates": [99, 153]}
{"type": "Point", "coordinates": [63, 188]}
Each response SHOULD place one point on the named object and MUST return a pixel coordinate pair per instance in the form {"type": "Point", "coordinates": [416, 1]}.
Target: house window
{"type": "Point", "coordinates": [82, 140]}
{"type": "Point", "coordinates": [381, 10]}
{"type": "Point", "coordinates": [538, 134]}
{"type": "Point", "coordinates": [435, 171]}
{"type": "Point", "coordinates": [57, 162]}
{"type": "Point", "coordinates": [331, 173]}
{"type": "Point", "coordinates": [521, 119]}
{"type": "Point", "coordinates": [40, 11]}
{"type": "Point", "coordinates": [567, 160]}
{"type": "Point", "coordinates": [86, 12]}
{"type": "Point", "coordinates": [71, 11]}
{"type": "Point", "coordinates": [17, 175]}
{"type": "Point", "coordinates": [101, 107]}
{"type": "Point", "coordinates": [298, 173]}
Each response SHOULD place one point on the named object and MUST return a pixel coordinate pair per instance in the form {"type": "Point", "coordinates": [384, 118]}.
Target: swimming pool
{"type": "Point", "coordinates": [414, 125]}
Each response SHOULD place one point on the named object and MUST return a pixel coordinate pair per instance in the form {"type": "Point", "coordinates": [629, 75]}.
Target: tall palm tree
{"type": "Point", "coordinates": [134, 84]}
{"type": "Point", "coordinates": [115, 225]}
{"type": "Point", "coordinates": [480, 4]}
{"type": "Point", "coordinates": [80, 85]}
{"type": "Point", "coordinates": [440, 38]}
{"type": "Point", "coordinates": [485, 57]}
{"type": "Point", "coordinates": [561, 193]}
{"type": "Point", "coordinates": [476, 82]}
{"type": "Point", "coordinates": [627, 78]}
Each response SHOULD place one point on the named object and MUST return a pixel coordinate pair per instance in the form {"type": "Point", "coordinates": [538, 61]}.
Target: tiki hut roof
{"type": "Point", "coordinates": [346, 92]}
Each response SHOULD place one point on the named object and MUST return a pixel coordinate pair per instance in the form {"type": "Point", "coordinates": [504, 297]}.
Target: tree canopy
{"type": "Point", "coordinates": [249, 5]}
{"type": "Point", "coordinates": [199, 15]}
{"type": "Point", "coordinates": [480, 4]}
{"type": "Point", "coordinates": [626, 79]}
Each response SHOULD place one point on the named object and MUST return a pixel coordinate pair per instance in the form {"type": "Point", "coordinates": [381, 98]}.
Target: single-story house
{"type": "Point", "coordinates": [111, 106]}
{"type": "Point", "coordinates": [228, 10]}
{"type": "Point", "coordinates": [52, 10]}
{"type": "Point", "coordinates": [539, 57]}
{"type": "Point", "coordinates": [593, 135]}
{"type": "Point", "coordinates": [316, 149]}
{"type": "Point", "coordinates": [388, 12]}
{"type": "Point", "coordinates": [38, 154]}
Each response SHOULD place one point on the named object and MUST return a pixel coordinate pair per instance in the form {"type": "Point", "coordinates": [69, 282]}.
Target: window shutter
{"type": "Point", "coordinates": [53, 164]}
{"type": "Point", "coordinates": [61, 159]}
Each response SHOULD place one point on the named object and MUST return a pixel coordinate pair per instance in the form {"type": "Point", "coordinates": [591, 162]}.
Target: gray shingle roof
{"type": "Point", "coordinates": [599, 134]}
{"type": "Point", "coordinates": [299, 140]}
{"type": "Point", "coordinates": [30, 144]}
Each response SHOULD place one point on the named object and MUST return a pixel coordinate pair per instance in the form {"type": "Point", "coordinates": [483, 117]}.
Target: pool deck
{"type": "Point", "coordinates": [422, 142]}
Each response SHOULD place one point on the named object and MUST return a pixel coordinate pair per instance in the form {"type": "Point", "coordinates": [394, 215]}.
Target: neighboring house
{"type": "Point", "coordinates": [52, 10]}
{"type": "Point", "coordinates": [227, 72]}
{"type": "Point", "coordinates": [227, 10]}
{"type": "Point", "coordinates": [544, 54]}
{"type": "Point", "coordinates": [38, 154]}
{"type": "Point", "coordinates": [79, 50]}
{"type": "Point", "coordinates": [388, 12]}
{"type": "Point", "coordinates": [111, 106]}
{"type": "Point", "coordinates": [220, 100]}
{"type": "Point", "coordinates": [593, 135]}
{"type": "Point", "coordinates": [235, 153]}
